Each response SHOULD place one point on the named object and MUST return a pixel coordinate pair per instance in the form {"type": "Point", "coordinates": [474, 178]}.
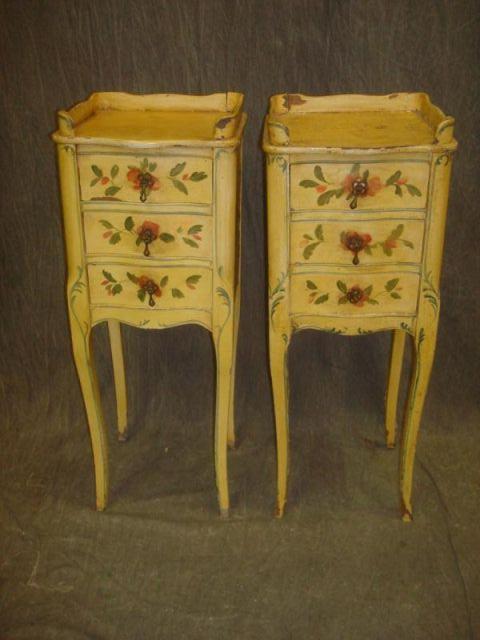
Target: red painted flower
{"type": "Point", "coordinates": [143, 178]}
{"type": "Point", "coordinates": [149, 286]}
{"type": "Point", "coordinates": [357, 296]}
{"type": "Point", "coordinates": [148, 229]}
{"type": "Point", "coordinates": [360, 187]}
{"type": "Point", "coordinates": [355, 242]}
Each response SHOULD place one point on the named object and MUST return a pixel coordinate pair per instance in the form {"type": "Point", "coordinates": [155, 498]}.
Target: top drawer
{"type": "Point", "coordinates": [150, 179]}
{"type": "Point", "coordinates": [372, 185]}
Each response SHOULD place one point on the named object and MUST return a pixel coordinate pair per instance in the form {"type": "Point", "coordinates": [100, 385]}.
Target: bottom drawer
{"type": "Point", "coordinates": [161, 288]}
{"type": "Point", "coordinates": [351, 294]}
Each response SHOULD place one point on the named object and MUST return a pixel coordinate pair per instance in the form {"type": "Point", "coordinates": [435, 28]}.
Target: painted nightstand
{"type": "Point", "coordinates": [150, 192]}
{"type": "Point", "coordinates": [357, 201]}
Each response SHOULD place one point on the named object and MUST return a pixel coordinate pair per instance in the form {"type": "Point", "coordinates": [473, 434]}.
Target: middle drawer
{"type": "Point", "coordinates": [345, 242]}
{"type": "Point", "coordinates": [156, 235]}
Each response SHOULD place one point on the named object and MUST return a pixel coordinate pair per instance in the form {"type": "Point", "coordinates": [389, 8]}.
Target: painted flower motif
{"type": "Point", "coordinates": [355, 242]}
{"type": "Point", "coordinates": [357, 296]}
{"type": "Point", "coordinates": [360, 186]}
{"type": "Point", "coordinates": [149, 287]}
{"type": "Point", "coordinates": [147, 233]}
{"type": "Point", "coordinates": [143, 179]}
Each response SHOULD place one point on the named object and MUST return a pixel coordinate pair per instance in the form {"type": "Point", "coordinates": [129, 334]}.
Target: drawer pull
{"type": "Point", "coordinates": [359, 188]}
{"type": "Point", "coordinates": [147, 236]}
{"type": "Point", "coordinates": [151, 288]}
{"type": "Point", "coordinates": [146, 182]}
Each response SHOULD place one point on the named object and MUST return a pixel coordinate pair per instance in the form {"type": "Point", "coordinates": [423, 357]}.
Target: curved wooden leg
{"type": "Point", "coordinates": [394, 375]}
{"type": "Point", "coordinates": [224, 344]}
{"type": "Point", "coordinates": [114, 331]}
{"type": "Point", "coordinates": [82, 352]}
{"type": "Point", "coordinates": [278, 351]}
{"type": "Point", "coordinates": [231, 411]}
{"type": "Point", "coordinates": [425, 341]}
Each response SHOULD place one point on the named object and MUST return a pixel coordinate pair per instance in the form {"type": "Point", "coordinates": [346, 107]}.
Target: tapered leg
{"type": "Point", "coordinates": [425, 340]}
{"type": "Point", "coordinates": [231, 411]}
{"type": "Point", "coordinates": [394, 375]}
{"type": "Point", "coordinates": [114, 331]}
{"type": "Point", "coordinates": [278, 349]}
{"type": "Point", "coordinates": [82, 352]}
{"type": "Point", "coordinates": [224, 343]}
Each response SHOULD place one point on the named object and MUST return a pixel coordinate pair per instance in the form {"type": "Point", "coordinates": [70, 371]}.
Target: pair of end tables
{"type": "Point", "coordinates": [357, 190]}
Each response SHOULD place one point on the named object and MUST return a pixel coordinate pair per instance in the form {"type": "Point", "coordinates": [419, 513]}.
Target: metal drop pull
{"type": "Point", "coordinates": [146, 181]}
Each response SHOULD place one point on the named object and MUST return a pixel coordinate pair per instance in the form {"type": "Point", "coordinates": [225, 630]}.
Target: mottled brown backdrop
{"type": "Point", "coordinates": [159, 563]}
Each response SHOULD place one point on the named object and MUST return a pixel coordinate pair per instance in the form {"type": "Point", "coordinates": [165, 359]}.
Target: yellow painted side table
{"type": "Point", "coordinates": [357, 201]}
{"type": "Point", "coordinates": [149, 188]}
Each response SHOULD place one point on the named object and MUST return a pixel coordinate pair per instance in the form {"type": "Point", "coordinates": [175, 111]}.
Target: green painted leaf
{"type": "Point", "coordinates": [398, 191]}
{"type": "Point", "coordinates": [311, 285]}
{"type": "Point", "coordinates": [339, 193]}
{"type": "Point", "coordinates": [355, 169]}
{"type": "Point", "coordinates": [366, 173]}
{"type": "Point", "coordinates": [176, 293]}
{"type": "Point", "coordinates": [108, 276]}
{"type": "Point", "coordinates": [396, 295]}
{"type": "Point", "coordinates": [319, 173]}
{"type": "Point", "coordinates": [408, 244]}
{"type": "Point", "coordinates": [111, 191]}
{"type": "Point", "coordinates": [368, 290]}
{"type": "Point", "coordinates": [97, 171]}
{"type": "Point", "coordinates": [178, 168]}
{"type": "Point", "coordinates": [152, 166]}
{"type": "Point", "coordinates": [342, 286]}
{"type": "Point", "coordinates": [132, 277]}
{"type": "Point", "coordinates": [322, 299]}
{"type": "Point", "coordinates": [195, 229]}
{"type": "Point", "coordinates": [191, 243]}
{"type": "Point", "coordinates": [412, 190]}
{"type": "Point", "coordinates": [138, 241]}
{"type": "Point", "coordinates": [197, 176]}
{"type": "Point", "coordinates": [193, 279]}
{"type": "Point", "coordinates": [117, 289]}
{"type": "Point", "coordinates": [163, 282]}
{"type": "Point", "coordinates": [309, 249]}
{"type": "Point", "coordinates": [94, 182]}
{"type": "Point", "coordinates": [178, 184]}
{"type": "Point", "coordinates": [128, 224]}
{"type": "Point", "coordinates": [307, 184]}
{"type": "Point", "coordinates": [308, 237]}
{"type": "Point", "coordinates": [372, 301]}
{"type": "Point", "coordinates": [325, 197]}
{"type": "Point", "coordinates": [166, 237]}
{"type": "Point", "coordinates": [107, 224]}
{"type": "Point", "coordinates": [114, 171]}
{"type": "Point", "coordinates": [319, 232]}
{"type": "Point", "coordinates": [141, 295]}
{"type": "Point", "coordinates": [387, 250]}
{"type": "Point", "coordinates": [391, 284]}
{"type": "Point", "coordinates": [115, 238]}
{"type": "Point", "coordinates": [393, 178]}
{"type": "Point", "coordinates": [144, 164]}
{"type": "Point", "coordinates": [343, 300]}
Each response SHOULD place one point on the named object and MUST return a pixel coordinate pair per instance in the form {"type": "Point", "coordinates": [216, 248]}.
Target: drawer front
{"type": "Point", "coordinates": [141, 287]}
{"type": "Point", "coordinates": [359, 186]}
{"type": "Point", "coordinates": [154, 235]}
{"type": "Point", "coordinates": [349, 294]}
{"type": "Point", "coordinates": [350, 242]}
{"type": "Point", "coordinates": [136, 178]}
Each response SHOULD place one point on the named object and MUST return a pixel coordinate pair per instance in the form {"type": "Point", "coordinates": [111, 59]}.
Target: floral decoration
{"type": "Point", "coordinates": [314, 295]}
{"type": "Point", "coordinates": [357, 242]}
{"type": "Point", "coordinates": [359, 296]}
{"type": "Point", "coordinates": [107, 181]}
{"type": "Point", "coordinates": [147, 287]}
{"type": "Point", "coordinates": [356, 184]}
{"type": "Point", "coordinates": [310, 243]}
{"type": "Point", "coordinates": [149, 231]}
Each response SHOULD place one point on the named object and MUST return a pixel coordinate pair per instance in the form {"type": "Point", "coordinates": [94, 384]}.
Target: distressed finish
{"type": "Point", "coordinates": [357, 201]}
{"type": "Point", "coordinates": [149, 189]}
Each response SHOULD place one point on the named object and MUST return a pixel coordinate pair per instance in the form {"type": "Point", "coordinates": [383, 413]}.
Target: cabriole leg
{"type": "Point", "coordinates": [393, 385]}
{"type": "Point", "coordinates": [278, 351]}
{"type": "Point", "coordinates": [425, 341]}
{"type": "Point", "coordinates": [115, 334]}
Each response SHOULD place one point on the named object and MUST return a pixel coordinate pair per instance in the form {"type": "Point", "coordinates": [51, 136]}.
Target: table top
{"type": "Point", "coordinates": [356, 121]}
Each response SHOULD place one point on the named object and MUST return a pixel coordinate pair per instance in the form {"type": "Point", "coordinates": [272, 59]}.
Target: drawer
{"type": "Point", "coordinates": [351, 294]}
{"type": "Point", "coordinates": [150, 179]}
{"type": "Point", "coordinates": [374, 185]}
{"type": "Point", "coordinates": [351, 242]}
{"type": "Point", "coordinates": [158, 235]}
{"type": "Point", "coordinates": [150, 288]}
